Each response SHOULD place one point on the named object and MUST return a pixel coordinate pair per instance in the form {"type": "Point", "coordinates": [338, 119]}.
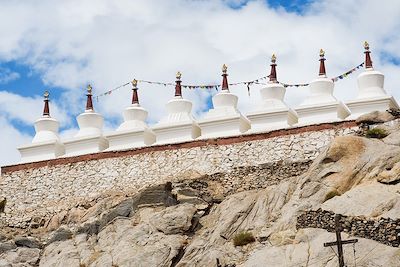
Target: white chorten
{"type": "Point", "coordinates": [273, 113]}
{"type": "Point", "coordinates": [46, 143]}
{"type": "Point", "coordinates": [371, 95]}
{"type": "Point", "coordinates": [90, 137]}
{"type": "Point", "coordinates": [224, 119]}
{"type": "Point", "coordinates": [321, 106]}
{"type": "Point", "coordinates": [133, 132]}
{"type": "Point", "coordinates": [179, 125]}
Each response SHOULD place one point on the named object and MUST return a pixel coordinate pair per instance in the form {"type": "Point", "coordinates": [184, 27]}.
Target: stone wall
{"type": "Point", "coordinates": [383, 230]}
{"type": "Point", "coordinates": [41, 189]}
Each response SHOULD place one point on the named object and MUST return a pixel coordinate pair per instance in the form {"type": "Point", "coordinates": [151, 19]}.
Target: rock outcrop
{"type": "Point", "coordinates": [192, 222]}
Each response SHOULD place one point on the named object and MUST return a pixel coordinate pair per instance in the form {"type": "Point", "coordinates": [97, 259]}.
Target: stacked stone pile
{"type": "Point", "coordinates": [383, 230]}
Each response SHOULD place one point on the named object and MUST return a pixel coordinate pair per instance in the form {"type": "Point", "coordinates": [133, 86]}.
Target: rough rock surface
{"type": "Point", "coordinates": [191, 223]}
{"type": "Point", "coordinates": [375, 117]}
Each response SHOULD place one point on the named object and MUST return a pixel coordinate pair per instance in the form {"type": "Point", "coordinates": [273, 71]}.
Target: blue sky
{"type": "Point", "coordinates": [62, 47]}
{"type": "Point", "coordinates": [29, 82]}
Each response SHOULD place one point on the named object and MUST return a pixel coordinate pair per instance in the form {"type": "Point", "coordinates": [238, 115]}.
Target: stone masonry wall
{"type": "Point", "coordinates": [39, 190]}
{"type": "Point", "coordinates": [383, 230]}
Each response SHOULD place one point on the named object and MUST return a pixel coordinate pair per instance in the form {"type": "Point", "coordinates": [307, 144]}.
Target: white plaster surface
{"type": "Point", "coordinates": [179, 125]}
{"type": "Point", "coordinates": [224, 119]}
{"type": "Point", "coordinates": [45, 144]}
{"type": "Point", "coordinates": [321, 106]}
{"type": "Point", "coordinates": [371, 95]}
{"type": "Point", "coordinates": [133, 132]}
{"type": "Point", "coordinates": [90, 138]}
{"type": "Point", "coordinates": [272, 113]}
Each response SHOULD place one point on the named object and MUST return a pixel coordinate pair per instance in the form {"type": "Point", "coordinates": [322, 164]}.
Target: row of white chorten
{"type": "Point", "coordinates": [224, 119]}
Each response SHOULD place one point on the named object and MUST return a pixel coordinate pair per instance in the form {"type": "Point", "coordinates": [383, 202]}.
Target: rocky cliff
{"type": "Point", "coordinates": [193, 220]}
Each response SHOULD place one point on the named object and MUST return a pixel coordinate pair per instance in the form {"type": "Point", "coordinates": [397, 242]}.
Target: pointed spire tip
{"type": "Point", "coordinates": [89, 89]}
{"type": "Point", "coordinates": [46, 95]}
{"type": "Point", "coordinates": [366, 45]}
{"type": "Point", "coordinates": [224, 68]}
{"type": "Point", "coordinates": [273, 58]}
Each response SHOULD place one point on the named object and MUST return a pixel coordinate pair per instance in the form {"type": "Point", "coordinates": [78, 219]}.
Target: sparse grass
{"type": "Point", "coordinates": [376, 133]}
{"type": "Point", "coordinates": [243, 238]}
{"type": "Point", "coordinates": [331, 194]}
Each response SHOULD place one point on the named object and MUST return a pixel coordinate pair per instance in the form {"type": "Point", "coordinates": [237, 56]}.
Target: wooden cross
{"type": "Point", "coordinates": [339, 242]}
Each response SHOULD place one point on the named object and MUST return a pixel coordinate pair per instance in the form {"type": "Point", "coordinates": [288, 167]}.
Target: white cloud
{"type": "Point", "coordinates": [6, 75]}
{"type": "Point", "coordinates": [110, 42]}
{"type": "Point", "coordinates": [11, 139]}
{"type": "Point", "coordinates": [28, 109]}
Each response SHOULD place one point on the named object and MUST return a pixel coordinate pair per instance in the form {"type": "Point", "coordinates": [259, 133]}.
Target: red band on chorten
{"type": "Point", "coordinates": [178, 88]}
{"type": "Point", "coordinates": [368, 61]}
{"type": "Point", "coordinates": [89, 102]}
{"type": "Point", "coordinates": [272, 75]}
{"type": "Point", "coordinates": [322, 71]}
{"type": "Point", "coordinates": [225, 85]}
{"type": "Point", "coordinates": [46, 109]}
{"type": "Point", "coordinates": [135, 97]}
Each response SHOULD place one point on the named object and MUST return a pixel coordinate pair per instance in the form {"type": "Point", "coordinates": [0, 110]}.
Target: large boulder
{"type": "Point", "coordinates": [21, 256]}
{"type": "Point", "coordinates": [375, 117]}
{"type": "Point", "coordinates": [174, 220]}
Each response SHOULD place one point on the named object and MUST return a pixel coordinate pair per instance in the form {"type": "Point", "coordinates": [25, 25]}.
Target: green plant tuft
{"type": "Point", "coordinates": [376, 133]}
{"type": "Point", "coordinates": [243, 238]}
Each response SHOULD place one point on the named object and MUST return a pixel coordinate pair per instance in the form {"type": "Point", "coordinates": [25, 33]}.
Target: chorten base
{"type": "Point", "coordinates": [230, 125]}
{"type": "Point", "coordinates": [128, 139]}
{"type": "Point", "coordinates": [41, 151]}
{"type": "Point", "coordinates": [176, 133]}
{"type": "Point", "coordinates": [85, 145]}
{"type": "Point", "coordinates": [362, 106]}
{"type": "Point", "coordinates": [323, 113]}
{"type": "Point", "coordinates": [271, 119]}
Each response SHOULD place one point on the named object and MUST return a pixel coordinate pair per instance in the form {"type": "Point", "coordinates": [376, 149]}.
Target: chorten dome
{"type": "Point", "coordinates": [272, 113]}
{"type": "Point", "coordinates": [179, 125]}
{"type": "Point", "coordinates": [371, 95]}
{"type": "Point", "coordinates": [46, 143]}
{"type": "Point", "coordinates": [321, 106]}
{"type": "Point", "coordinates": [90, 137]}
{"type": "Point", "coordinates": [370, 82]}
{"type": "Point", "coordinates": [178, 108]}
{"type": "Point", "coordinates": [134, 115]}
{"type": "Point", "coordinates": [321, 88]}
{"type": "Point", "coordinates": [90, 123]}
{"type": "Point", "coordinates": [273, 93]}
{"type": "Point", "coordinates": [225, 100]}
{"type": "Point", "coordinates": [224, 119]}
{"type": "Point", "coordinates": [133, 132]}
{"type": "Point", "coordinates": [46, 127]}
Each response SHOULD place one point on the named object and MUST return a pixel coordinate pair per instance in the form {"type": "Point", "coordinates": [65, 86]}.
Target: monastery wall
{"type": "Point", "coordinates": [36, 191]}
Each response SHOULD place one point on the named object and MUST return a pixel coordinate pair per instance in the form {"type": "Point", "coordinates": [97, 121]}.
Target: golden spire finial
{"type": "Point", "coordinates": [178, 75]}
{"type": "Point", "coordinates": [224, 68]}
{"type": "Point", "coordinates": [46, 95]}
{"type": "Point", "coordinates": [366, 45]}
{"type": "Point", "coordinates": [321, 53]}
{"type": "Point", "coordinates": [134, 83]}
{"type": "Point", "coordinates": [273, 58]}
{"type": "Point", "coordinates": [89, 89]}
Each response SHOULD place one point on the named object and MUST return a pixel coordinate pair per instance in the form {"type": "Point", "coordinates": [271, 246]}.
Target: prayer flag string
{"type": "Point", "coordinates": [216, 86]}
